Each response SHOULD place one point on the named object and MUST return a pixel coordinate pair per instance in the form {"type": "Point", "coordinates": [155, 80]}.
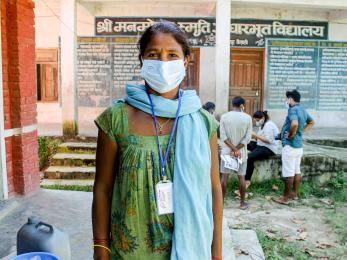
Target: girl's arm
{"type": "Point", "coordinates": [217, 200]}
{"type": "Point", "coordinates": [103, 187]}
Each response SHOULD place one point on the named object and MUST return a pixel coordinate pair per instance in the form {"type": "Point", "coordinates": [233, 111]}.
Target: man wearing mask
{"type": "Point", "coordinates": [297, 122]}
{"type": "Point", "coordinates": [235, 134]}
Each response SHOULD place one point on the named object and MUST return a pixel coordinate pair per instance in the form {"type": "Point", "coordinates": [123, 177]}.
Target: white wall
{"type": "Point", "coordinates": [338, 25]}
{"type": "Point", "coordinates": [47, 26]}
{"type": "Point", "coordinates": [279, 13]}
{"type": "Point", "coordinates": [49, 112]}
{"type": "Point", "coordinates": [207, 90]}
{"type": "Point", "coordinates": [47, 23]}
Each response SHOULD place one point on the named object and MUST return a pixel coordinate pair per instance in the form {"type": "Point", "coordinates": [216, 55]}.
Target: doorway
{"type": "Point", "coordinates": [191, 81]}
{"type": "Point", "coordinates": [246, 77]}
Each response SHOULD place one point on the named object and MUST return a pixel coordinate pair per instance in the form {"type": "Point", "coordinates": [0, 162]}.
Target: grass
{"type": "Point", "coordinates": [335, 189]}
{"type": "Point", "coordinates": [278, 249]}
{"type": "Point", "coordinates": [87, 188]}
{"type": "Point", "coordinates": [338, 221]}
{"type": "Point", "coordinates": [336, 217]}
{"type": "Point", "coordinates": [47, 147]}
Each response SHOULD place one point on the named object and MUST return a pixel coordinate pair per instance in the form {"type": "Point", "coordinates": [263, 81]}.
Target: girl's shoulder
{"type": "Point", "coordinates": [112, 119]}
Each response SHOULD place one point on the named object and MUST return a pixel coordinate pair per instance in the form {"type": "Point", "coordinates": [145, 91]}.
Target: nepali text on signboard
{"type": "Point", "coordinates": [104, 66]}
{"type": "Point", "coordinates": [202, 31]}
{"type": "Point", "coordinates": [318, 69]}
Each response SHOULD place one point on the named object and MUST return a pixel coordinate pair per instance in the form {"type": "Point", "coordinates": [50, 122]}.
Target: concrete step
{"type": "Point", "coordinates": [77, 147]}
{"type": "Point", "coordinates": [66, 172]}
{"type": "Point", "coordinates": [73, 159]}
{"type": "Point", "coordinates": [67, 182]}
{"type": "Point", "coordinates": [227, 245]}
{"type": "Point", "coordinates": [246, 245]}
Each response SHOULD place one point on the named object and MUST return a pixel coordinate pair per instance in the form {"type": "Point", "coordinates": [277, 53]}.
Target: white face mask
{"type": "Point", "coordinates": [163, 76]}
{"type": "Point", "coordinates": [259, 123]}
{"type": "Point", "coordinates": [287, 105]}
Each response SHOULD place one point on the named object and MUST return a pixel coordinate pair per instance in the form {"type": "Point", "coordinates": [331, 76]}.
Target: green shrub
{"type": "Point", "coordinates": [47, 147]}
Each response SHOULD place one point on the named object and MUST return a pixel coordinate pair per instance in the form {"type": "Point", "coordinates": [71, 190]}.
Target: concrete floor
{"type": "Point", "coordinates": [66, 210]}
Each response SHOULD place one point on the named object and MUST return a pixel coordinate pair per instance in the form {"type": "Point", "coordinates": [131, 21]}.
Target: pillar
{"type": "Point", "coordinates": [19, 98]}
{"type": "Point", "coordinates": [68, 67]}
{"type": "Point", "coordinates": [222, 62]}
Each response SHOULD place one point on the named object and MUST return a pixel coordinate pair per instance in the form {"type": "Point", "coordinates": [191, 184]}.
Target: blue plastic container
{"type": "Point", "coordinates": [36, 256]}
{"type": "Point", "coordinates": [37, 236]}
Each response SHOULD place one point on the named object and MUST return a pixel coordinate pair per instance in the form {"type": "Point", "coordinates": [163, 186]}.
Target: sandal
{"type": "Point", "coordinates": [293, 197]}
{"type": "Point", "coordinates": [245, 206]}
{"type": "Point", "coordinates": [280, 201]}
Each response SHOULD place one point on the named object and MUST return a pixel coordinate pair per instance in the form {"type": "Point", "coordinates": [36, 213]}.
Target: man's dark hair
{"type": "Point", "coordinates": [294, 94]}
{"type": "Point", "coordinates": [238, 101]}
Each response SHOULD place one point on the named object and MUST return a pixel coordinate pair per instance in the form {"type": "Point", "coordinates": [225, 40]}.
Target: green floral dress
{"type": "Point", "coordinates": [137, 232]}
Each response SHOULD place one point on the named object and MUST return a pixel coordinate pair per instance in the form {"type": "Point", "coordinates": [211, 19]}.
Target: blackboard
{"type": "Point", "coordinates": [317, 69]}
{"type": "Point", "coordinates": [332, 85]}
{"type": "Point", "coordinates": [104, 65]}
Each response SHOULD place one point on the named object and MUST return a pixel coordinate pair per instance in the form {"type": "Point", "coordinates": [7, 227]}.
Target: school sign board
{"type": "Point", "coordinates": [202, 31]}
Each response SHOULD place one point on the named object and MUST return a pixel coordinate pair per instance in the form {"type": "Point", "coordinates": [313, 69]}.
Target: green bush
{"type": "Point", "coordinates": [47, 147]}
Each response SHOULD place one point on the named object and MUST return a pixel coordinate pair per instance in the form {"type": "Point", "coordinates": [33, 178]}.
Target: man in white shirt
{"type": "Point", "coordinates": [235, 134]}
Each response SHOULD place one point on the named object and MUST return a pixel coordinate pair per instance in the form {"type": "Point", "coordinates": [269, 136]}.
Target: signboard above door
{"type": "Point", "coordinates": [202, 31]}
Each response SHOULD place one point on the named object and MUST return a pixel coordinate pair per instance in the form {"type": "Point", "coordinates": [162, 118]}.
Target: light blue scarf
{"type": "Point", "coordinates": [193, 219]}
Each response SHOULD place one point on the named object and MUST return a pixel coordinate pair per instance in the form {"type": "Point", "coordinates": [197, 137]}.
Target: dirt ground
{"type": "Point", "coordinates": [306, 229]}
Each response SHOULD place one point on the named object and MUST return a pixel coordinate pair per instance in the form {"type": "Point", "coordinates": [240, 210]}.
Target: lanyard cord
{"type": "Point", "coordinates": [164, 160]}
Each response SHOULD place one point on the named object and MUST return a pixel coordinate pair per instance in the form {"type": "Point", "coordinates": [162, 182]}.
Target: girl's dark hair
{"type": "Point", "coordinates": [260, 114]}
{"type": "Point", "coordinates": [163, 26]}
{"type": "Point", "coordinates": [208, 106]}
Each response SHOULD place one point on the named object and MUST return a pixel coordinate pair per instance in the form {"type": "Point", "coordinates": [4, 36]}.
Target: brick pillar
{"type": "Point", "coordinates": [19, 87]}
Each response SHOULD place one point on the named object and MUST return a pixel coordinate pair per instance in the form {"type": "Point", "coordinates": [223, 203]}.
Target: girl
{"type": "Point", "coordinates": [265, 144]}
{"type": "Point", "coordinates": [158, 143]}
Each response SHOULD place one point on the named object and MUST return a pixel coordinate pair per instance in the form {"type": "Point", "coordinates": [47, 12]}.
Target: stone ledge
{"type": "Point", "coordinates": [314, 166]}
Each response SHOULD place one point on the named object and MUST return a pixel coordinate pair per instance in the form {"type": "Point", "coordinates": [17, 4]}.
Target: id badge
{"type": "Point", "coordinates": [164, 197]}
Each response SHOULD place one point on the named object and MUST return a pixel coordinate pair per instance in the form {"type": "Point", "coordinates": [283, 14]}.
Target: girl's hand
{"type": "Point", "coordinates": [101, 254]}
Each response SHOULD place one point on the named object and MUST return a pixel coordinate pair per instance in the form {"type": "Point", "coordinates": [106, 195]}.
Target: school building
{"type": "Point", "coordinates": [86, 52]}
